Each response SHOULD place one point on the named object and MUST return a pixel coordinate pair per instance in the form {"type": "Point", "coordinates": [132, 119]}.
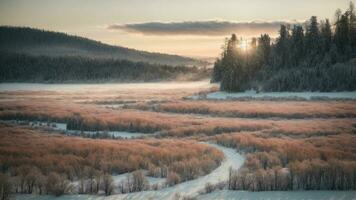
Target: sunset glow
{"type": "Point", "coordinates": [92, 18]}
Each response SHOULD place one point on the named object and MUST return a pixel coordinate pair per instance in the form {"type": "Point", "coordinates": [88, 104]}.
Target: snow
{"type": "Point", "coordinates": [52, 125]}
{"type": "Point", "coordinates": [232, 159]}
{"type": "Point", "coordinates": [117, 179]}
{"type": "Point", "coordinates": [62, 127]}
{"type": "Point", "coordinates": [122, 134]}
{"type": "Point", "coordinates": [155, 180]}
{"type": "Point", "coordinates": [275, 95]}
{"type": "Point", "coordinates": [226, 195]}
{"type": "Point", "coordinates": [191, 188]}
{"type": "Point", "coordinates": [38, 124]}
{"type": "Point", "coordinates": [290, 195]}
{"type": "Point", "coordinates": [151, 180]}
{"type": "Point", "coordinates": [5, 87]}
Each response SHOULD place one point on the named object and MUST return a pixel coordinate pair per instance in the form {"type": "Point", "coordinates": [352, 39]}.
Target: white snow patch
{"type": "Point", "coordinates": [191, 188]}
{"type": "Point", "coordinates": [122, 134]}
{"type": "Point", "coordinates": [5, 87]}
{"type": "Point", "coordinates": [279, 195]}
{"type": "Point", "coordinates": [275, 95]}
{"type": "Point", "coordinates": [62, 127]}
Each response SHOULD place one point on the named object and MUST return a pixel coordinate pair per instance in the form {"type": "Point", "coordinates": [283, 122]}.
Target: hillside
{"type": "Point", "coordinates": [40, 42]}
{"type": "Point", "coordinates": [63, 69]}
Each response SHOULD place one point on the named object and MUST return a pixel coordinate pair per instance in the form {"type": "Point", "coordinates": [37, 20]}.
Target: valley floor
{"type": "Point", "coordinates": [265, 135]}
{"type": "Point", "coordinates": [290, 195]}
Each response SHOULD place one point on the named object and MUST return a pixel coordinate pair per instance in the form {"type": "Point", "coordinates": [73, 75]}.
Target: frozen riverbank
{"type": "Point", "coordinates": [191, 188]}
{"type": "Point", "coordinates": [62, 128]}
{"type": "Point", "coordinates": [285, 195]}
{"type": "Point", "coordinates": [80, 87]}
{"type": "Point", "coordinates": [278, 95]}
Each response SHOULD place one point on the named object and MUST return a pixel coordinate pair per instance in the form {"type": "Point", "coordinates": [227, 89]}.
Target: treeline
{"type": "Point", "coordinates": [34, 182]}
{"type": "Point", "coordinates": [25, 68]}
{"type": "Point", "coordinates": [62, 161]}
{"type": "Point", "coordinates": [287, 164]}
{"type": "Point", "coordinates": [317, 56]}
{"type": "Point", "coordinates": [47, 43]}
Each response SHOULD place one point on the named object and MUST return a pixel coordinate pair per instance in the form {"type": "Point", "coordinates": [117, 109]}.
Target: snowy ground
{"type": "Point", "coordinates": [6, 87]}
{"type": "Point", "coordinates": [191, 188]}
{"type": "Point", "coordinates": [288, 195]}
{"type": "Point", "coordinates": [62, 127]}
{"type": "Point", "coordinates": [118, 179]}
{"type": "Point", "coordinates": [122, 134]}
{"type": "Point", "coordinates": [278, 95]}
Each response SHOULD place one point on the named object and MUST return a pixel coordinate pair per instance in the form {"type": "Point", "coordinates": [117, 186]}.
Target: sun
{"type": "Point", "coordinates": [244, 45]}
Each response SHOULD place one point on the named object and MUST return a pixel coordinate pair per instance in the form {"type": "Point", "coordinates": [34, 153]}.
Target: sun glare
{"type": "Point", "coordinates": [244, 45]}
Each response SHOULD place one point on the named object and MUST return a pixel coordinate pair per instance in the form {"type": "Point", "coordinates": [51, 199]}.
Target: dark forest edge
{"type": "Point", "coordinates": [319, 56]}
{"type": "Point", "coordinates": [31, 41]}
{"type": "Point", "coordinates": [69, 69]}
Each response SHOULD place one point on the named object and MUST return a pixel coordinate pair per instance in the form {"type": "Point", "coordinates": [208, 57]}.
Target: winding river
{"type": "Point", "coordinates": [188, 188]}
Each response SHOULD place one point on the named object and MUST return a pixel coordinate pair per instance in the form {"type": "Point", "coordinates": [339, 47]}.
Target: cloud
{"type": "Point", "coordinates": [210, 28]}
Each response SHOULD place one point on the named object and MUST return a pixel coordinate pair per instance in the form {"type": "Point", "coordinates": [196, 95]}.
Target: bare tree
{"type": "Point", "coordinates": [41, 183]}
{"type": "Point", "coordinates": [173, 178]}
{"type": "Point", "coordinates": [5, 187]}
{"type": "Point", "coordinates": [107, 184]}
{"type": "Point", "coordinates": [140, 181]}
{"type": "Point", "coordinates": [90, 173]}
{"type": "Point", "coordinates": [209, 188]}
{"type": "Point", "coordinates": [57, 184]}
{"type": "Point", "coordinates": [31, 178]}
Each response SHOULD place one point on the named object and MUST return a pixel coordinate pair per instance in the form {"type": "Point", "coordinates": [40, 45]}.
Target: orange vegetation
{"type": "Point", "coordinates": [327, 162]}
{"type": "Point", "coordinates": [22, 147]}
{"type": "Point", "coordinates": [259, 109]}
{"type": "Point", "coordinates": [289, 145]}
{"type": "Point", "coordinates": [90, 117]}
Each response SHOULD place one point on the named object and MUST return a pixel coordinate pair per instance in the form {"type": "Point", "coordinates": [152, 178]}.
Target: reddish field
{"type": "Point", "coordinates": [22, 148]}
{"type": "Point", "coordinates": [257, 109]}
{"type": "Point", "coordinates": [288, 144]}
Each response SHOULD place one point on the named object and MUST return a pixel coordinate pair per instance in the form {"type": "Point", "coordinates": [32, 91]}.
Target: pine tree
{"type": "Point", "coordinates": [297, 44]}
{"type": "Point", "coordinates": [264, 48]}
{"type": "Point", "coordinates": [217, 71]}
{"type": "Point", "coordinates": [326, 35]}
{"type": "Point", "coordinates": [342, 36]}
{"type": "Point", "coordinates": [233, 71]}
{"type": "Point", "coordinates": [282, 47]}
{"type": "Point", "coordinates": [313, 42]}
{"type": "Point", "coordinates": [352, 27]}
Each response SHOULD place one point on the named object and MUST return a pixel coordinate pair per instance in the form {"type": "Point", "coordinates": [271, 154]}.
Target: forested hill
{"type": "Point", "coordinates": [74, 69]}
{"type": "Point", "coordinates": [37, 42]}
{"type": "Point", "coordinates": [320, 56]}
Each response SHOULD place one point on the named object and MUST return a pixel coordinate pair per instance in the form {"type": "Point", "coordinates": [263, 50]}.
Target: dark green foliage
{"type": "Point", "coordinates": [236, 69]}
{"type": "Point", "coordinates": [318, 60]}
{"type": "Point", "coordinates": [39, 42]}
{"type": "Point", "coordinates": [24, 68]}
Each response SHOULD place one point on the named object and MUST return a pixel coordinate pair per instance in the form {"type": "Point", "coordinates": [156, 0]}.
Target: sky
{"type": "Point", "coordinates": [194, 28]}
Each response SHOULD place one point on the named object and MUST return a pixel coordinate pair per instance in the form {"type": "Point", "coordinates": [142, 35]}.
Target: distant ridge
{"type": "Point", "coordinates": [36, 42]}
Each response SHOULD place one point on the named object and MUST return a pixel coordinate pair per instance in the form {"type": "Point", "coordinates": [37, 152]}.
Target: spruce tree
{"type": "Point", "coordinates": [297, 45]}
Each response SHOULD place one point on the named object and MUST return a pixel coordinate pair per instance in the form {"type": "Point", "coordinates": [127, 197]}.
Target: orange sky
{"type": "Point", "coordinates": [185, 27]}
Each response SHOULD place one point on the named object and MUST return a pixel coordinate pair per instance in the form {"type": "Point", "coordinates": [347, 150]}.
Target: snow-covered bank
{"type": "Point", "coordinates": [287, 195]}
{"type": "Point", "coordinates": [279, 95]}
{"type": "Point", "coordinates": [62, 128]}
{"type": "Point", "coordinates": [8, 87]}
{"type": "Point", "coordinates": [191, 188]}
{"type": "Point", "coordinates": [118, 179]}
